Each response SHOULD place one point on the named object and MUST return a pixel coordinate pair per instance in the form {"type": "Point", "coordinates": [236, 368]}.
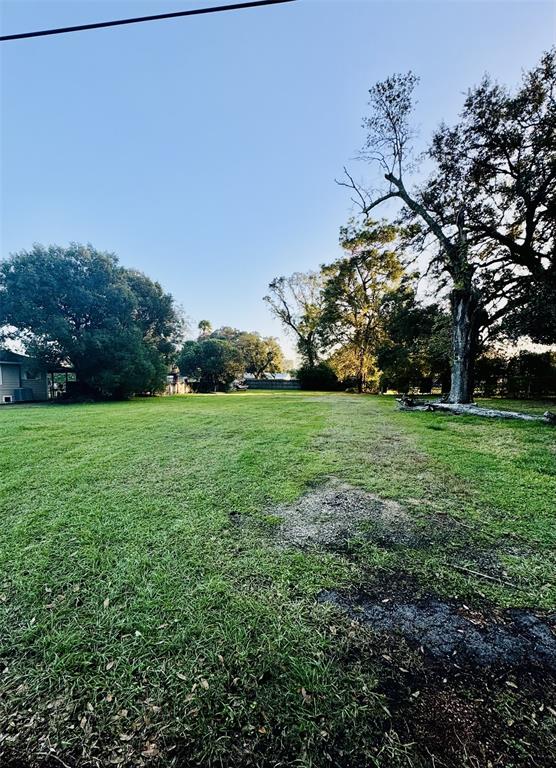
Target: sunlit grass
{"type": "Point", "coordinates": [136, 610]}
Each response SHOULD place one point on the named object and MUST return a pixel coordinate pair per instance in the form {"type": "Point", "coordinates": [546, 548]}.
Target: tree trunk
{"type": "Point", "coordinates": [465, 328]}
{"type": "Point", "coordinates": [306, 349]}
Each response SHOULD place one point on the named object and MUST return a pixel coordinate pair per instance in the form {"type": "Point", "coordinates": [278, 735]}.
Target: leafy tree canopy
{"type": "Point", "coordinates": [355, 286]}
{"type": "Point", "coordinates": [260, 354]}
{"type": "Point", "coordinates": [415, 350]}
{"type": "Point", "coordinates": [489, 205]}
{"type": "Point", "coordinates": [205, 328]}
{"type": "Point", "coordinates": [77, 306]}
{"type": "Point", "coordinates": [298, 302]}
{"type": "Point", "coordinates": [214, 362]}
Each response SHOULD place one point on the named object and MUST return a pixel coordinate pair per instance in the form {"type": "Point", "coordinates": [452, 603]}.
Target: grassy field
{"type": "Point", "coordinates": [149, 616]}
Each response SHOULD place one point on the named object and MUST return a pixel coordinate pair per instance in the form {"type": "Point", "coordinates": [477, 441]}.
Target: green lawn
{"type": "Point", "coordinates": [147, 615]}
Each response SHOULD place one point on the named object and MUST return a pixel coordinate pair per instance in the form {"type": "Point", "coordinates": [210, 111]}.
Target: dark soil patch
{"type": "Point", "coordinates": [446, 631]}
{"type": "Point", "coordinates": [465, 685]}
{"type": "Point", "coordinates": [479, 723]}
{"type": "Point", "coordinates": [444, 711]}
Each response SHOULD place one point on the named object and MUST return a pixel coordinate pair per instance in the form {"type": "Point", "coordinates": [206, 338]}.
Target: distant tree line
{"type": "Point", "coordinates": [78, 308]}
{"type": "Point", "coordinates": [358, 321]}
{"type": "Point", "coordinates": [523, 375]}
{"type": "Point", "coordinates": [216, 358]}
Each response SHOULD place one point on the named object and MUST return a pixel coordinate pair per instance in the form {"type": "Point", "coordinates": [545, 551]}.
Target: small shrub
{"type": "Point", "coordinates": [318, 377]}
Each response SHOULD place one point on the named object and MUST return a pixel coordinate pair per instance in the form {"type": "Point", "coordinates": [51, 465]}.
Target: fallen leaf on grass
{"type": "Point", "coordinates": [150, 750]}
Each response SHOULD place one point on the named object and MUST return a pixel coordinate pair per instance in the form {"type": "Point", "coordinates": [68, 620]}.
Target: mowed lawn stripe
{"type": "Point", "coordinates": [143, 594]}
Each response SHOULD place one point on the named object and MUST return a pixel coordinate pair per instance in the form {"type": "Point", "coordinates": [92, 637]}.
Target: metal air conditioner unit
{"type": "Point", "coordinates": [21, 394]}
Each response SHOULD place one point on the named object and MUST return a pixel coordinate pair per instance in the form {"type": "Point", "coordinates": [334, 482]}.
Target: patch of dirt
{"type": "Point", "coordinates": [449, 713]}
{"type": "Point", "coordinates": [447, 631]}
{"type": "Point", "coordinates": [474, 723]}
{"type": "Point", "coordinates": [329, 515]}
{"type": "Point", "coordinates": [464, 685]}
{"type": "Point", "coordinates": [332, 515]}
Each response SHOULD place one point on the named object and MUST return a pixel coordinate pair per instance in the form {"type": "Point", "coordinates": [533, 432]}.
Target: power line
{"type": "Point", "coordinates": [139, 19]}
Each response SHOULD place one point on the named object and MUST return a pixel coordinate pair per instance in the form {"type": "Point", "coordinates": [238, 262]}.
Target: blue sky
{"type": "Point", "coordinates": [203, 151]}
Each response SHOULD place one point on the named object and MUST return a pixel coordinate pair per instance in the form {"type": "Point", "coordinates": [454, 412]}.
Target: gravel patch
{"type": "Point", "coordinates": [329, 515]}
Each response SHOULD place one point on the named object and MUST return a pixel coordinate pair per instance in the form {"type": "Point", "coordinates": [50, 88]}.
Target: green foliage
{"type": "Point", "coordinates": [490, 373]}
{"type": "Point", "coordinates": [354, 289]}
{"type": "Point", "coordinates": [488, 204]}
{"type": "Point", "coordinates": [527, 374]}
{"type": "Point", "coordinates": [499, 162]}
{"type": "Point", "coordinates": [356, 370]}
{"type": "Point", "coordinates": [320, 377]}
{"type": "Point", "coordinates": [218, 357]}
{"type": "Point", "coordinates": [205, 328]}
{"type": "Point", "coordinates": [362, 310]}
{"type": "Point", "coordinates": [214, 362]}
{"type": "Point", "coordinates": [534, 315]}
{"type": "Point", "coordinates": [260, 355]}
{"type": "Point", "coordinates": [76, 306]}
{"type": "Point", "coordinates": [531, 374]}
{"type": "Point", "coordinates": [298, 302]}
{"type": "Point", "coordinates": [415, 351]}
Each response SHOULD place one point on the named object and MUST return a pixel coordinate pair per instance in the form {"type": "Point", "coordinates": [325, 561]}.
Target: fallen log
{"type": "Point", "coordinates": [471, 409]}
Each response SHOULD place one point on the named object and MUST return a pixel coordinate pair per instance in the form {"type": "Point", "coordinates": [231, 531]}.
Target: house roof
{"type": "Point", "coordinates": [7, 356]}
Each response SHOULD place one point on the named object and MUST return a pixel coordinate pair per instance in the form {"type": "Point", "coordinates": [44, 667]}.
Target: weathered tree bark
{"type": "Point", "coordinates": [465, 331]}
{"type": "Point", "coordinates": [406, 403]}
{"type": "Point", "coordinates": [361, 373]}
{"type": "Point", "coordinates": [307, 348]}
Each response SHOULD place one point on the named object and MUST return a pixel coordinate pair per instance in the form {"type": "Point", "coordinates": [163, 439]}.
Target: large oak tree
{"type": "Point", "coordinates": [488, 205]}
{"type": "Point", "coordinates": [78, 307]}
